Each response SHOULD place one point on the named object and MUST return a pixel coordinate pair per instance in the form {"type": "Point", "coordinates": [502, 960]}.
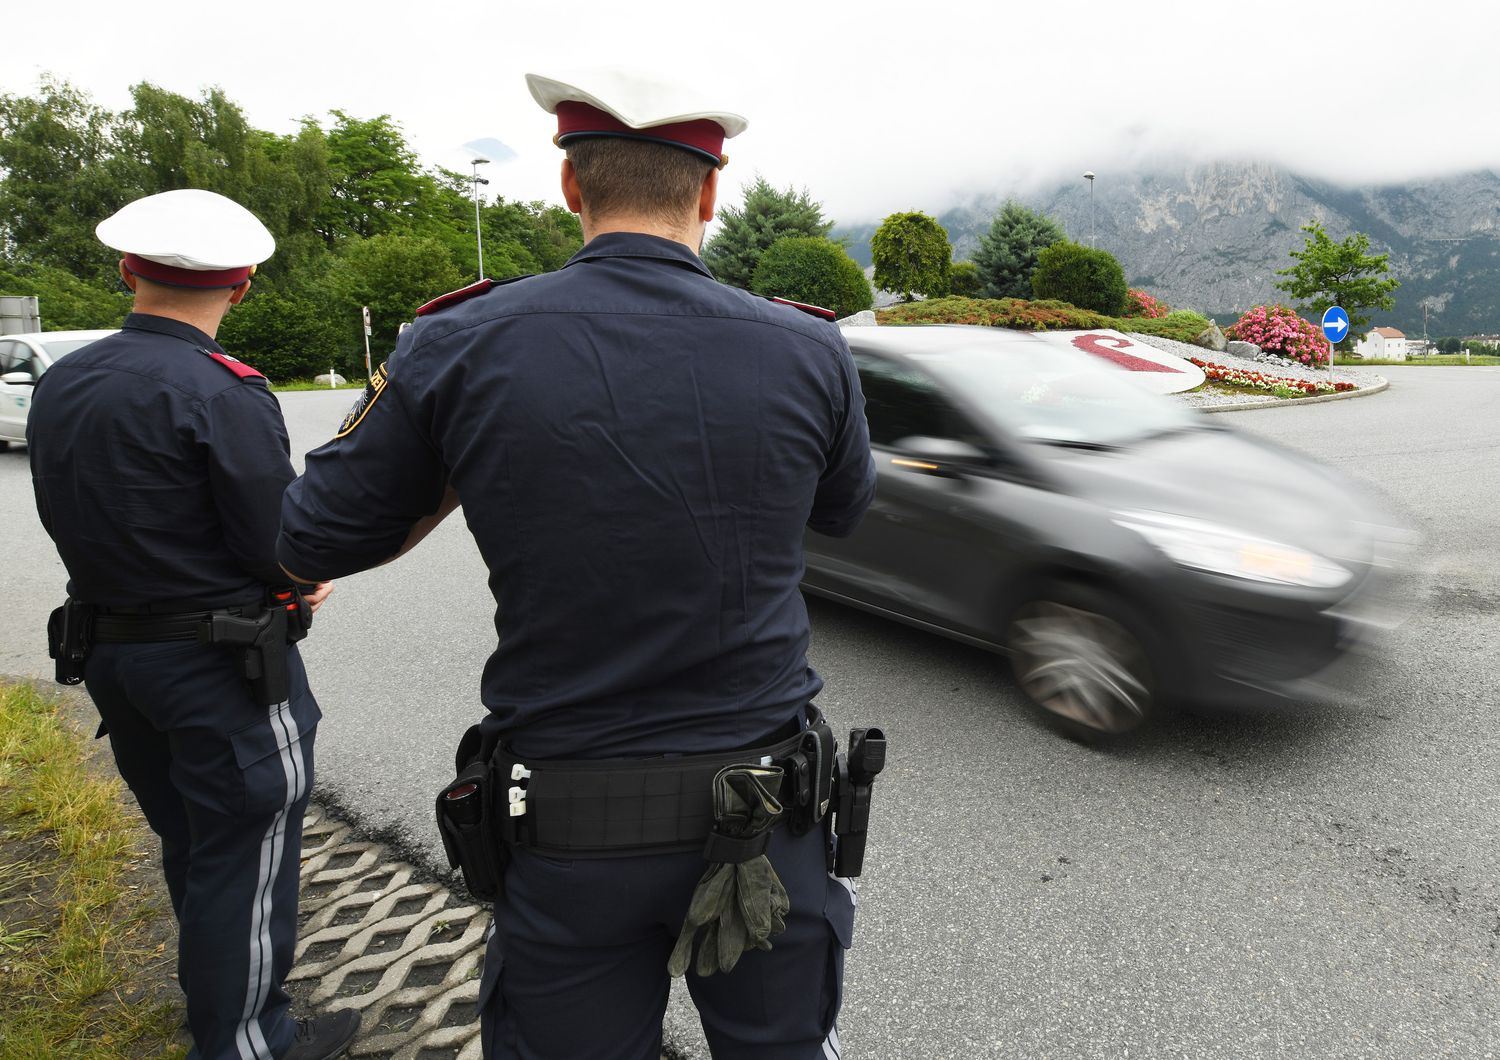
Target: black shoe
{"type": "Point", "coordinates": [323, 1037]}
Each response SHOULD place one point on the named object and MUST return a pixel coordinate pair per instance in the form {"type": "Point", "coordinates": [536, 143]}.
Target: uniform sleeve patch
{"type": "Point", "coordinates": [463, 294]}
{"type": "Point", "coordinates": [373, 389]}
{"type": "Point", "coordinates": [815, 310]}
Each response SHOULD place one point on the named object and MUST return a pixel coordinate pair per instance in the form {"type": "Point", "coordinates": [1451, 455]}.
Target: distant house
{"type": "Point", "coordinates": [1483, 340]}
{"type": "Point", "coordinates": [1382, 344]}
{"type": "Point", "coordinates": [1420, 348]}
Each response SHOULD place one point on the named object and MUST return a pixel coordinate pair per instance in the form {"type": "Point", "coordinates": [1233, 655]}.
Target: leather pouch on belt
{"type": "Point", "coordinates": [465, 818]}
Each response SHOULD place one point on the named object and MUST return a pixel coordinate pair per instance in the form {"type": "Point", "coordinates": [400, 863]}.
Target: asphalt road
{"type": "Point", "coordinates": [1323, 882]}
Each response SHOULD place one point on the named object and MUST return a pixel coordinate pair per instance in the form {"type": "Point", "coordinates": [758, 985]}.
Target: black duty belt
{"type": "Point", "coordinates": [125, 627]}
{"type": "Point", "coordinates": [600, 807]}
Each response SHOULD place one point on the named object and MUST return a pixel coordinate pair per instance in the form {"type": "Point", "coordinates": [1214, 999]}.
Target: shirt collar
{"type": "Point", "coordinates": [178, 329]}
{"type": "Point", "coordinates": [639, 245]}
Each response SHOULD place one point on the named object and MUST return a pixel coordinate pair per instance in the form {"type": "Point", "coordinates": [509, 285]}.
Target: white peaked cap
{"type": "Point", "coordinates": [639, 102]}
{"type": "Point", "coordinates": [199, 231]}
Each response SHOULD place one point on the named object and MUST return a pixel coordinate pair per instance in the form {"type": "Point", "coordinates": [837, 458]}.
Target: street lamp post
{"type": "Point", "coordinates": [475, 181]}
{"type": "Point", "coordinates": [1089, 176]}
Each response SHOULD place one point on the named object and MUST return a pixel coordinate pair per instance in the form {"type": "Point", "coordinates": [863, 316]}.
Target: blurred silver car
{"type": "Point", "coordinates": [1125, 551]}
{"type": "Point", "coordinates": [23, 359]}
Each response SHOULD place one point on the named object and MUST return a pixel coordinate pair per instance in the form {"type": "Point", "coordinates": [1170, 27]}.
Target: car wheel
{"type": "Point", "coordinates": [1074, 656]}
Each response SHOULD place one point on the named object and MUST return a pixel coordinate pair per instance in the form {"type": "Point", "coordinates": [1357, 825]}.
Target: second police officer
{"type": "Point", "coordinates": [637, 450]}
{"type": "Point", "coordinates": [158, 462]}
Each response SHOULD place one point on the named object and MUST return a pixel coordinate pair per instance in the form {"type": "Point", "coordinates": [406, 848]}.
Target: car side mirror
{"type": "Point", "coordinates": [943, 457]}
{"type": "Point", "coordinates": [17, 379]}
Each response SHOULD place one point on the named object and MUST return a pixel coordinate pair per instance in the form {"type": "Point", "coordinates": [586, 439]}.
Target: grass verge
{"type": "Point", "coordinates": [1442, 358]}
{"type": "Point", "coordinates": [308, 384]}
{"type": "Point", "coordinates": [79, 940]}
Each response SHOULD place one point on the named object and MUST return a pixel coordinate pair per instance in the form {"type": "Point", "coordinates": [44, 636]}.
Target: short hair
{"type": "Point", "coordinates": [618, 175]}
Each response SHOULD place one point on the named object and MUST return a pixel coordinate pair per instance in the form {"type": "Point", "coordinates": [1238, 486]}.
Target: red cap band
{"type": "Point", "coordinates": [702, 136]}
{"type": "Point", "coordinates": [173, 276]}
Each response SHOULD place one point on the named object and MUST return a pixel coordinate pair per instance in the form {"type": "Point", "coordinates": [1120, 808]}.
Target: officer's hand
{"type": "Point", "coordinates": [318, 595]}
{"type": "Point", "coordinates": [737, 905]}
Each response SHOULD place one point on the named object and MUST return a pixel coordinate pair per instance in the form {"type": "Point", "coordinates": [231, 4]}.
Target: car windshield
{"type": "Point", "coordinates": [1046, 394]}
{"type": "Point", "coordinates": [59, 347]}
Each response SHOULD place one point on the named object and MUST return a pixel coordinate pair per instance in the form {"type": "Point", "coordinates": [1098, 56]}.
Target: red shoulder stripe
{"type": "Point", "coordinates": [815, 310]}
{"type": "Point", "coordinates": [442, 301]}
{"type": "Point", "coordinates": [239, 368]}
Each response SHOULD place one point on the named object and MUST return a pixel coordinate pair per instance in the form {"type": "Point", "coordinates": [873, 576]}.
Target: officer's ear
{"type": "Point", "coordinates": [708, 197]}
{"type": "Point", "coordinates": [571, 194]}
{"type": "Point", "coordinates": [127, 277]}
{"type": "Point", "coordinates": [237, 294]}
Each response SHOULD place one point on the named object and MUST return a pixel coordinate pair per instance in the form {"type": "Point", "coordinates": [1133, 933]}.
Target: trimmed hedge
{"type": "Point", "coordinates": [1085, 276]}
{"type": "Point", "coordinates": [1180, 324]}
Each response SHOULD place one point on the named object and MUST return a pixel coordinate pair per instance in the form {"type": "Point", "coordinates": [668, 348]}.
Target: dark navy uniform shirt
{"type": "Point", "coordinates": [637, 449]}
{"type": "Point", "coordinates": [159, 471]}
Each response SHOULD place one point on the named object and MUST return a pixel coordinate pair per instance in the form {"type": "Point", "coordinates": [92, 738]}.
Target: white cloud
{"type": "Point", "coordinates": [873, 106]}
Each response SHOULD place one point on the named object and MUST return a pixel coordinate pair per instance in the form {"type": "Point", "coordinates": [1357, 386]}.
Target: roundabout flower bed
{"type": "Point", "coordinates": [1279, 331]}
{"type": "Point", "coordinates": [1276, 385]}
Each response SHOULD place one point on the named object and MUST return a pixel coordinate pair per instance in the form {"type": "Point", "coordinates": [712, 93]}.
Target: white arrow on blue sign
{"type": "Point", "coordinates": [1335, 323]}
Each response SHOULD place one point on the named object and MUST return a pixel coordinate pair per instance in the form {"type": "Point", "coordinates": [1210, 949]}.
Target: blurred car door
{"type": "Point", "coordinates": [933, 546]}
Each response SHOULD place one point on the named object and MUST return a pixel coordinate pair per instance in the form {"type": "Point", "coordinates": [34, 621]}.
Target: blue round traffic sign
{"type": "Point", "coordinates": [1335, 324]}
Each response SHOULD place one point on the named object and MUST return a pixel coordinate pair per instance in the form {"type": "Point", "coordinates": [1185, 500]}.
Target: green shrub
{"type": "Point", "coordinates": [964, 279]}
{"type": "Point", "coordinates": [1083, 276]}
{"type": "Point", "coordinates": [1181, 324]}
{"type": "Point", "coordinates": [809, 269]}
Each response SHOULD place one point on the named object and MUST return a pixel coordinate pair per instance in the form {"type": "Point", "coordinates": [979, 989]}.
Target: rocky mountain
{"type": "Point", "coordinates": [1211, 237]}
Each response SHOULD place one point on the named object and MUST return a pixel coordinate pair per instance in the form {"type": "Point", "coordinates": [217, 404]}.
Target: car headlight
{"type": "Point", "coordinates": [1218, 549]}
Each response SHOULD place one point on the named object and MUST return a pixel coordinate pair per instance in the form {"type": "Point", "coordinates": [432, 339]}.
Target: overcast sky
{"type": "Point", "coordinates": [872, 106]}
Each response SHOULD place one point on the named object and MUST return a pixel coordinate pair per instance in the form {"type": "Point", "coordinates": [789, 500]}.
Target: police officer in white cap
{"type": "Point", "coordinates": [638, 450]}
{"type": "Point", "coordinates": [159, 462]}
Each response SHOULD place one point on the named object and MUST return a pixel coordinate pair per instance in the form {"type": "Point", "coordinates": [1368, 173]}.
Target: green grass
{"type": "Point", "coordinates": [73, 931]}
{"type": "Point", "coordinates": [1442, 358]}
{"type": "Point", "coordinates": [308, 384]}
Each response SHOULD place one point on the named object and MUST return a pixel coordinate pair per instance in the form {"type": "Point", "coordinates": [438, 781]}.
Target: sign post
{"type": "Point", "coordinates": [1335, 327]}
{"type": "Point", "coordinates": [366, 311]}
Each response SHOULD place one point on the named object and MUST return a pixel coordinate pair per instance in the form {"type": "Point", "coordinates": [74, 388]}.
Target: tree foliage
{"type": "Point", "coordinates": [1087, 277]}
{"type": "Point", "coordinates": [357, 219]}
{"type": "Point", "coordinates": [746, 232]}
{"type": "Point", "coordinates": [911, 255]}
{"type": "Point", "coordinates": [809, 269]}
{"type": "Point", "coordinates": [1344, 274]}
{"type": "Point", "coordinates": [1008, 253]}
{"type": "Point", "coordinates": [965, 279]}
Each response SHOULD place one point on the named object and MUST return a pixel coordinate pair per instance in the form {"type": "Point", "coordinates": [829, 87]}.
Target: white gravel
{"type": "Point", "coordinates": [1360, 377]}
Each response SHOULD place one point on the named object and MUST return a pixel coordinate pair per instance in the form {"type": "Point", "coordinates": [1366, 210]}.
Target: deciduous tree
{"type": "Point", "coordinates": [911, 255]}
{"type": "Point", "coordinates": [1344, 274]}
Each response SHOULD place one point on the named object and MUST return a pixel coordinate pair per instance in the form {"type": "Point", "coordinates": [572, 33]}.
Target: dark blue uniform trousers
{"type": "Point", "coordinates": [577, 962]}
{"type": "Point", "coordinates": [224, 782]}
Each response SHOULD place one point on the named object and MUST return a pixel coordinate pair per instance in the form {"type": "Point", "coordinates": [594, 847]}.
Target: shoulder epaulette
{"type": "Point", "coordinates": [238, 367]}
{"type": "Point", "coordinates": [463, 294]}
{"type": "Point", "coordinates": [815, 310]}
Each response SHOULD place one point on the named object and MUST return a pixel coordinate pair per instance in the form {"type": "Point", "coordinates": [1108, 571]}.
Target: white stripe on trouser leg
{"type": "Point", "coordinates": [249, 1038]}
{"type": "Point", "coordinates": [831, 1045]}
